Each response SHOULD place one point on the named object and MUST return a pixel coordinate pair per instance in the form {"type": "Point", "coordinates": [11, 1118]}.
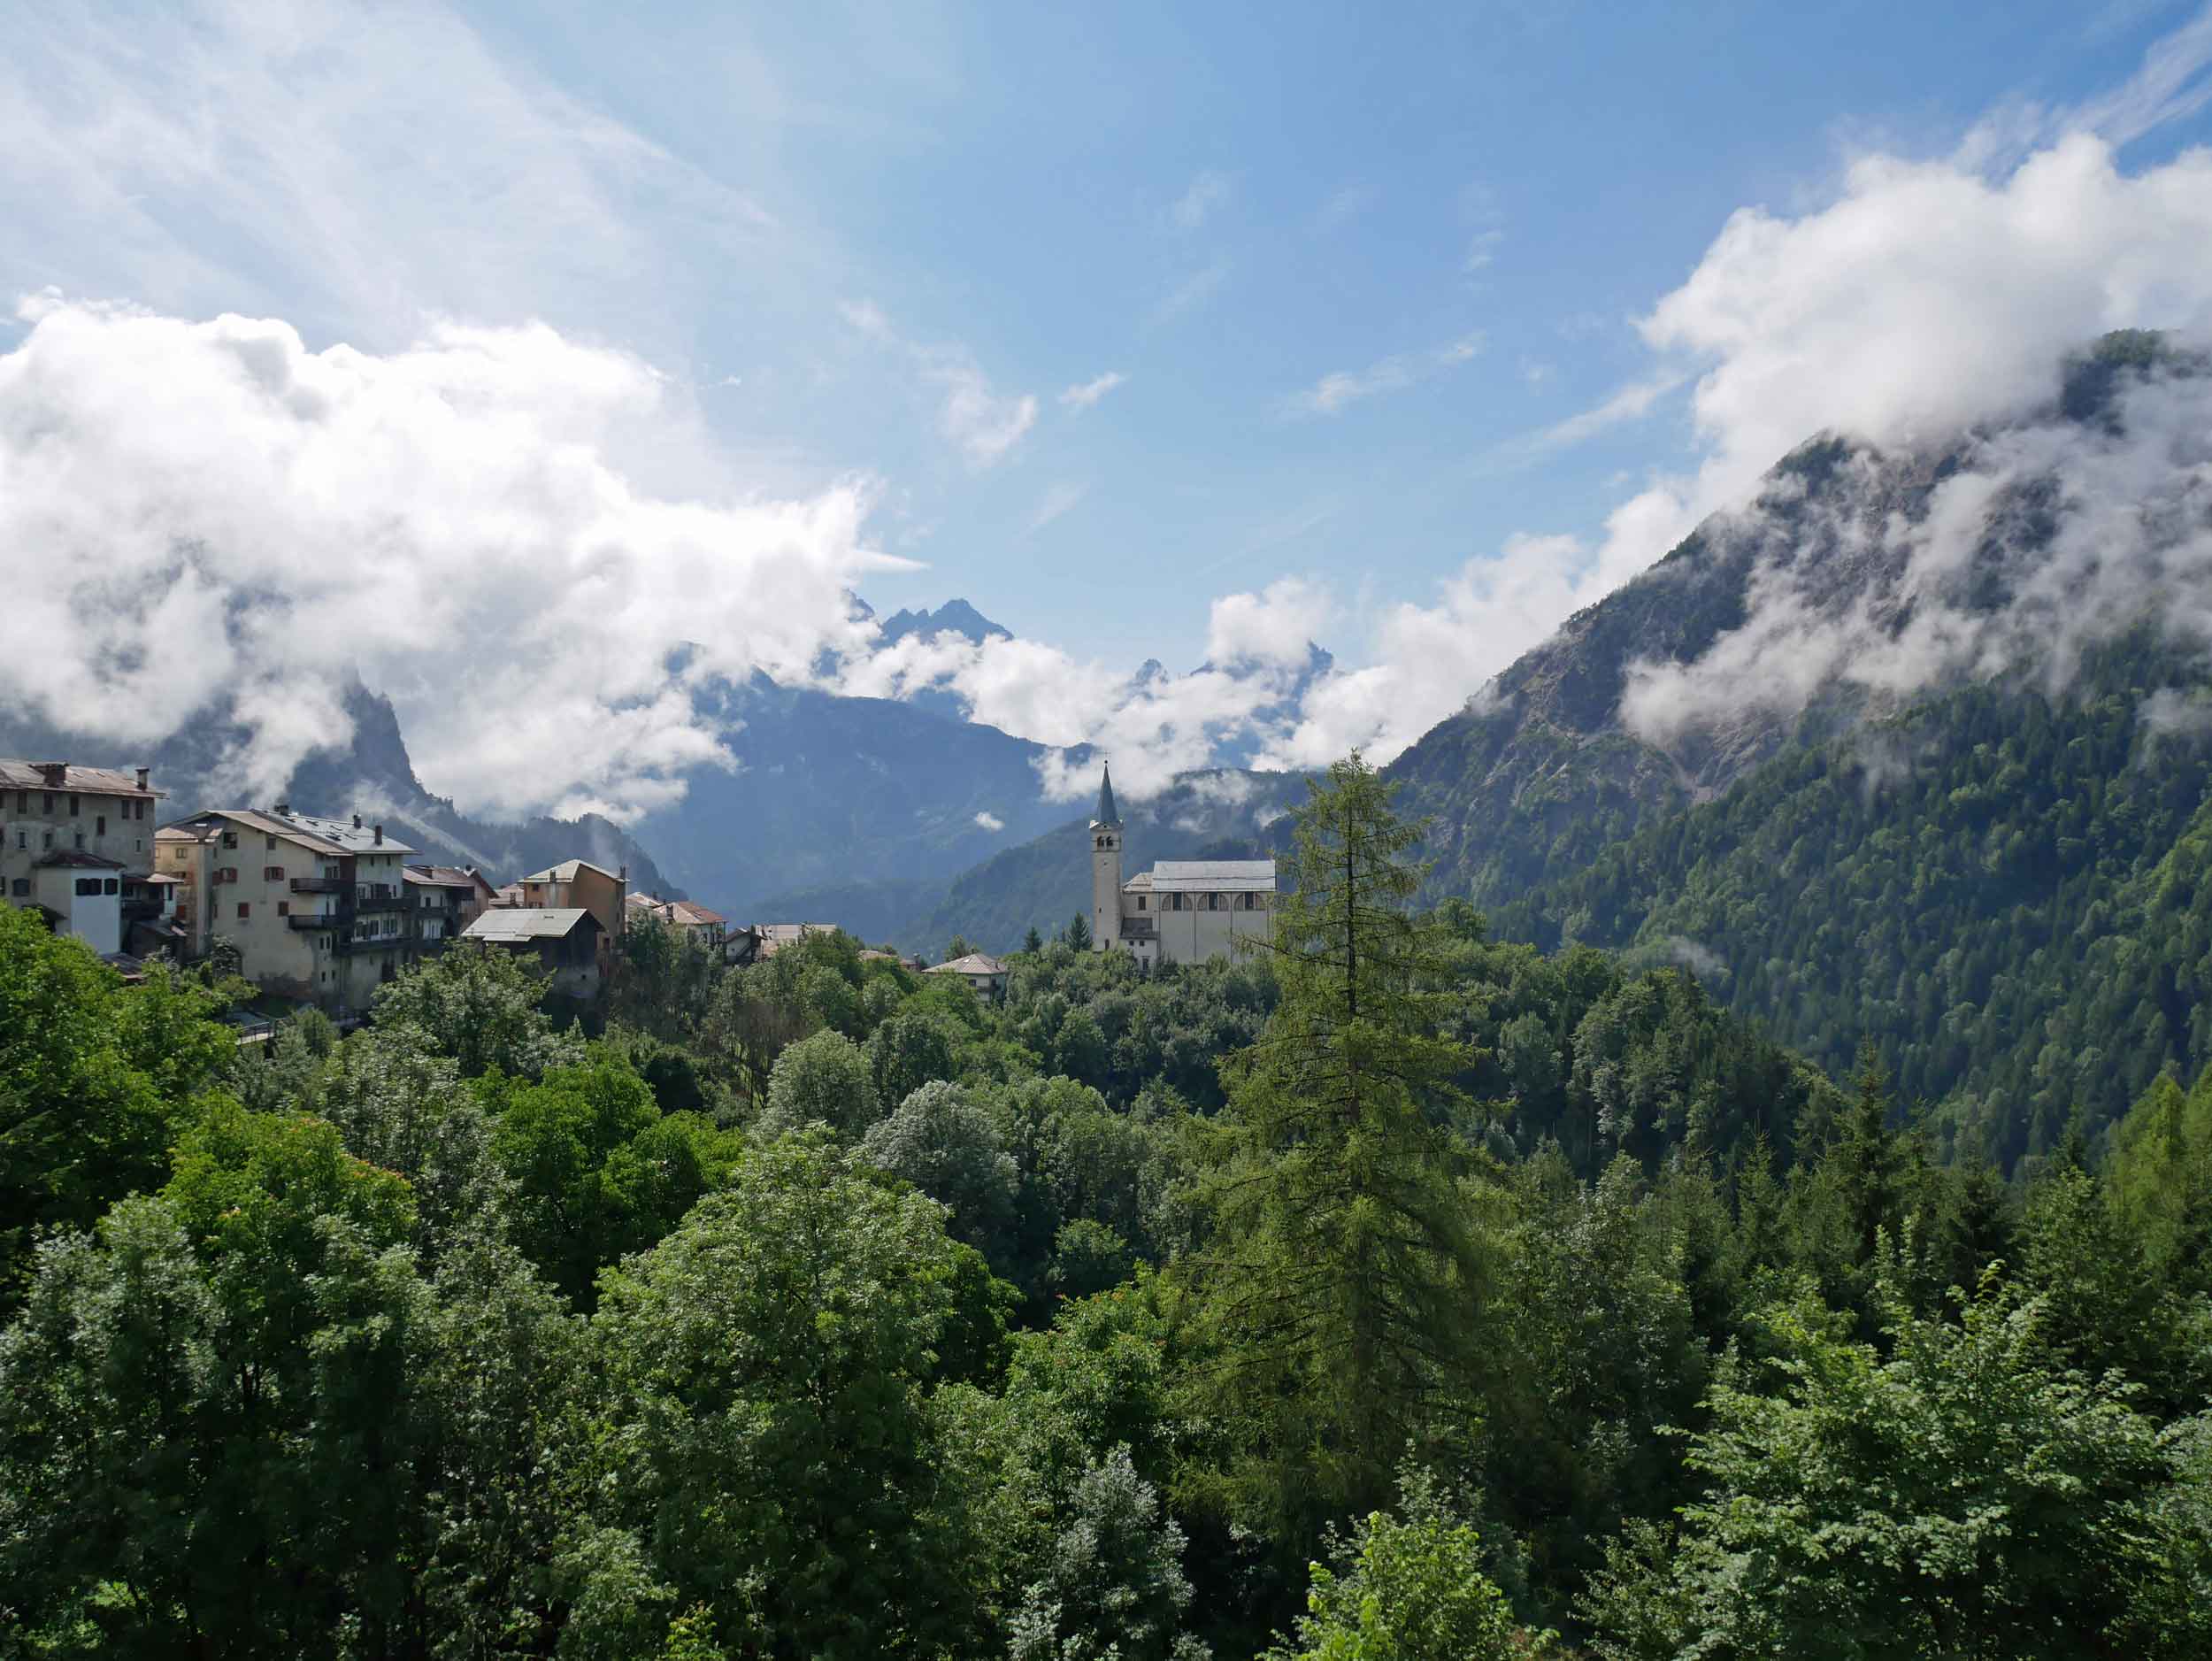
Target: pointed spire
{"type": "Point", "coordinates": [1106, 814]}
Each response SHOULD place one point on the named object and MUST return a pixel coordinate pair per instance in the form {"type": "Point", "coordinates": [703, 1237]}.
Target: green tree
{"type": "Point", "coordinates": [479, 1006]}
{"type": "Point", "coordinates": [1344, 1279]}
{"type": "Point", "coordinates": [1032, 941]}
{"type": "Point", "coordinates": [598, 1172]}
{"type": "Point", "coordinates": [823, 1079]}
{"type": "Point", "coordinates": [1963, 1496]}
{"type": "Point", "coordinates": [1112, 1586]}
{"type": "Point", "coordinates": [96, 1080]}
{"type": "Point", "coordinates": [772, 1361]}
{"type": "Point", "coordinates": [1076, 935]}
{"type": "Point", "coordinates": [912, 1048]}
{"type": "Point", "coordinates": [948, 1148]}
{"type": "Point", "coordinates": [1409, 1588]}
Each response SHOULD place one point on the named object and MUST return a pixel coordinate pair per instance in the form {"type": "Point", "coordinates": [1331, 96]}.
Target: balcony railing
{"type": "Point", "coordinates": [328, 919]}
{"type": "Point", "coordinates": [320, 885]}
{"type": "Point", "coordinates": [389, 901]}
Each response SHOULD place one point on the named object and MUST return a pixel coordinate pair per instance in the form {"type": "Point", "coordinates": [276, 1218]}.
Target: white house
{"type": "Point", "coordinates": [1181, 910]}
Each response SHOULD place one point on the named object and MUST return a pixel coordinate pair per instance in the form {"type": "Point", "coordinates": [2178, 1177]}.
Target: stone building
{"type": "Point", "coordinates": [1181, 910]}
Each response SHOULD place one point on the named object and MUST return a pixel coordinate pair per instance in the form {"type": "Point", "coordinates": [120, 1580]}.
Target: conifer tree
{"type": "Point", "coordinates": [1342, 1278]}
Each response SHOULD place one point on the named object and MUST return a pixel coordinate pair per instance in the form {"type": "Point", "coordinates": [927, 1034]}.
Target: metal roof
{"type": "Point", "coordinates": [503, 924]}
{"type": "Point", "coordinates": [444, 876]}
{"type": "Point", "coordinates": [351, 835]}
{"type": "Point", "coordinates": [1217, 876]}
{"type": "Point", "coordinates": [25, 775]}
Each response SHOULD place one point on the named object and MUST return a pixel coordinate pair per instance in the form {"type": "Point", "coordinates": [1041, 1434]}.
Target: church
{"type": "Point", "coordinates": [1181, 910]}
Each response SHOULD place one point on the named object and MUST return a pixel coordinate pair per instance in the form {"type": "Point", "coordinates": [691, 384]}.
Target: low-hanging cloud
{"type": "Point", "coordinates": [207, 515]}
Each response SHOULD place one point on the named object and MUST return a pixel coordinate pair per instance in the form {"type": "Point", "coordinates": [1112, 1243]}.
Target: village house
{"type": "Point", "coordinates": [317, 907]}
{"type": "Point", "coordinates": [687, 918]}
{"type": "Point", "coordinates": [1181, 910]}
{"type": "Point", "coordinates": [981, 970]}
{"type": "Point", "coordinates": [566, 942]}
{"type": "Point", "coordinates": [578, 884]}
{"type": "Point", "coordinates": [442, 900]}
{"type": "Point", "coordinates": [77, 843]}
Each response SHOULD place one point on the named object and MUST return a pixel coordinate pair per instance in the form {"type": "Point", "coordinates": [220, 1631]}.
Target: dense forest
{"type": "Point", "coordinates": [1399, 1291]}
{"type": "Point", "coordinates": [1998, 889]}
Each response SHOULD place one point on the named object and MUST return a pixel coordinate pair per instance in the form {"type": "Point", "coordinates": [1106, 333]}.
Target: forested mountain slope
{"type": "Point", "coordinates": [1997, 888]}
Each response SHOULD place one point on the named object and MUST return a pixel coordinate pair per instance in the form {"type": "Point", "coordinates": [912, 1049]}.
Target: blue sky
{"type": "Point", "coordinates": [1155, 331]}
{"type": "Point", "coordinates": [1226, 205]}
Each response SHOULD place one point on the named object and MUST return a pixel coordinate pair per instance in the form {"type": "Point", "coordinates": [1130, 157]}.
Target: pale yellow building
{"type": "Point", "coordinates": [1181, 910]}
{"type": "Point", "coordinates": [317, 907]}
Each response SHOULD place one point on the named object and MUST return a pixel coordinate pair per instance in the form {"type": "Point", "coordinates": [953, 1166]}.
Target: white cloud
{"type": "Point", "coordinates": [983, 424]}
{"type": "Point", "coordinates": [357, 169]}
{"type": "Point", "coordinates": [1336, 391]}
{"type": "Point", "coordinates": [191, 512]}
{"type": "Point", "coordinates": [1193, 292]}
{"type": "Point", "coordinates": [1086, 393]}
{"type": "Point", "coordinates": [1630, 403]}
{"type": "Point", "coordinates": [1208, 191]}
{"type": "Point", "coordinates": [1273, 627]}
{"type": "Point", "coordinates": [990, 822]}
{"type": "Point", "coordinates": [1059, 499]}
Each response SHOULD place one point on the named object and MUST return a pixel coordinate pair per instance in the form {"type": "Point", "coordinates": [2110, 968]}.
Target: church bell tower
{"type": "Point", "coordinates": [1105, 867]}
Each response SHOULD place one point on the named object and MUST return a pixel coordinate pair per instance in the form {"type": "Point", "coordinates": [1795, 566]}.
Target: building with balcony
{"type": "Point", "coordinates": [318, 908]}
{"type": "Point", "coordinates": [444, 900]}
{"type": "Point", "coordinates": [77, 843]}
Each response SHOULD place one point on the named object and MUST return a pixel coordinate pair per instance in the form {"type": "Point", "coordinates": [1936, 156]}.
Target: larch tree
{"type": "Point", "coordinates": [1343, 1279]}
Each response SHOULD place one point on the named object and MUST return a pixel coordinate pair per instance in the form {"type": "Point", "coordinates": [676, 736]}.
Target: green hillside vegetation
{"type": "Point", "coordinates": [1998, 890]}
{"type": "Point", "coordinates": [1401, 1292]}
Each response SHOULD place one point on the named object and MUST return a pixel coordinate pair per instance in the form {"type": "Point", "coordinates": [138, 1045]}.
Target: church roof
{"type": "Point", "coordinates": [1217, 876]}
{"type": "Point", "coordinates": [1107, 814]}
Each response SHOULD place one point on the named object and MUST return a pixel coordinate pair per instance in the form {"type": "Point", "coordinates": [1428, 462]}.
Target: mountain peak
{"type": "Point", "coordinates": [954, 616]}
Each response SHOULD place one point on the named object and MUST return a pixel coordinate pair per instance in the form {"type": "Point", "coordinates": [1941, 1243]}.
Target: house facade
{"type": "Point", "coordinates": [565, 941]}
{"type": "Point", "coordinates": [442, 901]}
{"type": "Point", "coordinates": [1181, 910]}
{"type": "Point", "coordinates": [77, 843]}
{"type": "Point", "coordinates": [687, 918]}
{"type": "Point", "coordinates": [317, 907]}
{"type": "Point", "coordinates": [580, 885]}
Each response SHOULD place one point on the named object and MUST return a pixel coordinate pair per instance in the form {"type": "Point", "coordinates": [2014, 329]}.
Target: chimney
{"type": "Point", "coordinates": [379, 833]}
{"type": "Point", "coordinates": [56, 774]}
{"type": "Point", "coordinates": [142, 773]}
{"type": "Point", "coordinates": [624, 873]}
{"type": "Point", "coordinates": [284, 810]}
{"type": "Point", "coordinates": [357, 821]}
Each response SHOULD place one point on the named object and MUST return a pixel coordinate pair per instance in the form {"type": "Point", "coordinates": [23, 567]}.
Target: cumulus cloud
{"type": "Point", "coordinates": [196, 514]}
{"type": "Point", "coordinates": [1337, 390]}
{"type": "Point", "coordinates": [990, 822]}
{"type": "Point", "coordinates": [1086, 393]}
{"type": "Point", "coordinates": [1276, 626]}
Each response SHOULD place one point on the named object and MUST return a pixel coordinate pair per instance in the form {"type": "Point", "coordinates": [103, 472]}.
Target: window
{"type": "Point", "coordinates": [244, 909]}
{"type": "Point", "coordinates": [22, 801]}
{"type": "Point", "coordinates": [1141, 901]}
{"type": "Point", "coordinates": [230, 838]}
{"type": "Point", "coordinates": [47, 804]}
{"type": "Point", "coordinates": [46, 839]}
{"type": "Point", "coordinates": [22, 886]}
{"type": "Point", "coordinates": [76, 839]}
{"type": "Point", "coordinates": [284, 908]}
{"type": "Point", "coordinates": [272, 843]}
{"type": "Point", "coordinates": [111, 885]}
{"type": "Point", "coordinates": [72, 807]}
{"type": "Point", "coordinates": [23, 839]}
{"type": "Point", "coordinates": [273, 873]}
{"type": "Point", "coordinates": [87, 885]}
{"type": "Point", "coordinates": [100, 825]}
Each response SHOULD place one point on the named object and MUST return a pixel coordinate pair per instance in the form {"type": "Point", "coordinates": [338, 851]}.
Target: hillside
{"type": "Point", "coordinates": [1908, 750]}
